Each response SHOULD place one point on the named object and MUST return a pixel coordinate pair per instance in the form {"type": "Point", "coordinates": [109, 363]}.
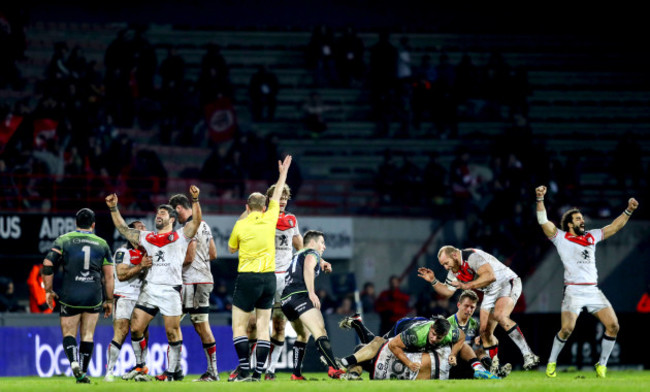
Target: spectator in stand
{"type": "Point", "coordinates": [404, 86]}
{"type": "Point", "coordinates": [423, 78]}
{"type": "Point", "coordinates": [349, 58]}
{"type": "Point", "coordinates": [644, 303]}
{"type": "Point", "coordinates": [386, 178]}
{"type": "Point", "coordinates": [392, 304]}
{"type": "Point", "coordinates": [346, 308]}
{"type": "Point", "coordinates": [382, 80]}
{"type": "Point", "coordinates": [314, 110]}
{"type": "Point", "coordinates": [172, 93]}
{"type": "Point", "coordinates": [368, 298]}
{"type": "Point", "coordinates": [263, 91]}
{"type": "Point", "coordinates": [213, 59]}
{"type": "Point", "coordinates": [444, 101]}
{"type": "Point", "coordinates": [466, 85]}
{"type": "Point", "coordinates": [37, 302]}
{"type": "Point", "coordinates": [220, 299]}
{"type": "Point", "coordinates": [327, 304]}
{"type": "Point", "coordinates": [495, 83]}
{"type": "Point", "coordinates": [8, 302]}
{"type": "Point", "coordinates": [320, 56]}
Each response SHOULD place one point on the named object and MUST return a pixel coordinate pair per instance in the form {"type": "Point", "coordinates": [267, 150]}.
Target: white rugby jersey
{"type": "Point", "coordinates": [578, 254]}
{"type": "Point", "coordinates": [129, 289]}
{"type": "Point", "coordinates": [168, 252]}
{"type": "Point", "coordinates": [471, 261]}
{"type": "Point", "coordinates": [199, 270]}
{"type": "Point", "coordinates": [285, 230]}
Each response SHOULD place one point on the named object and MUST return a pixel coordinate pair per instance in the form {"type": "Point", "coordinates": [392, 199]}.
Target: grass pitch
{"type": "Point", "coordinates": [518, 381]}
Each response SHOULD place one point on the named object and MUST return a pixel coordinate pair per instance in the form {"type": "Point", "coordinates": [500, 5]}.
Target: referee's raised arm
{"type": "Point", "coordinates": [283, 167]}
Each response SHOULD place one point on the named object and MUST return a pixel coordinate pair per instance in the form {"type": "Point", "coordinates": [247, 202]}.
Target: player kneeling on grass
{"type": "Point", "coordinates": [302, 307]}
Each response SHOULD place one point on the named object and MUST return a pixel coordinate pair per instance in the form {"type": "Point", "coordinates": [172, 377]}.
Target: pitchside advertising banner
{"type": "Point", "coordinates": [38, 351]}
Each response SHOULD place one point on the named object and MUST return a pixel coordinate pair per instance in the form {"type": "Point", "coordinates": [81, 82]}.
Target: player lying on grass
{"type": "Point", "coordinates": [412, 336]}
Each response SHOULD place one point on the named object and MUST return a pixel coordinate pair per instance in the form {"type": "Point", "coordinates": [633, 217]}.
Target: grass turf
{"type": "Point", "coordinates": [517, 381]}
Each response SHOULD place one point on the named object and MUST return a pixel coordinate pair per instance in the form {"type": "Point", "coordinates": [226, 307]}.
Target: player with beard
{"type": "Point", "coordinates": [162, 289]}
{"type": "Point", "coordinates": [130, 265]}
{"type": "Point", "coordinates": [577, 250]}
{"type": "Point", "coordinates": [476, 269]}
{"type": "Point", "coordinates": [198, 283]}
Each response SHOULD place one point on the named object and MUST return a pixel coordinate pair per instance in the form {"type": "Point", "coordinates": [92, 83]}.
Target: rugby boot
{"type": "Point", "coordinates": [335, 373]}
{"type": "Point", "coordinates": [530, 361]}
{"type": "Point", "coordinates": [234, 374]}
{"type": "Point", "coordinates": [297, 378]}
{"type": "Point", "coordinates": [269, 377]}
{"type": "Point", "coordinates": [346, 323]}
{"type": "Point", "coordinates": [601, 370]}
{"type": "Point", "coordinates": [485, 375]}
{"type": "Point", "coordinates": [143, 370]}
{"type": "Point", "coordinates": [207, 377]}
{"type": "Point", "coordinates": [169, 376]}
{"type": "Point", "coordinates": [550, 370]}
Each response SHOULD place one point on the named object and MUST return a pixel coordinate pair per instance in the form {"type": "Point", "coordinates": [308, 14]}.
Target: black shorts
{"type": "Point", "coordinates": [254, 291]}
{"type": "Point", "coordinates": [69, 310]}
{"type": "Point", "coordinates": [462, 371]}
{"type": "Point", "coordinates": [295, 305]}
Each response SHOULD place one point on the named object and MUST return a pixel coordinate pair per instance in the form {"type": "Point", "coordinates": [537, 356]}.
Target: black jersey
{"type": "Point", "coordinates": [295, 279]}
{"type": "Point", "coordinates": [82, 255]}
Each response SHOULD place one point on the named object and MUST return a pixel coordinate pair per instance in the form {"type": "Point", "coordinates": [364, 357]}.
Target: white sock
{"type": "Point", "coordinates": [607, 345]}
{"type": "Point", "coordinates": [139, 350]}
{"type": "Point", "coordinates": [517, 337]}
{"type": "Point", "coordinates": [112, 355]}
{"type": "Point", "coordinates": [558, 345]}
{"type": "Point", "coordinates": [276, 351]}
{"type": "Point", "coordinates": [174, 356]}
{"type": "Point", "coordinates": [210, 351]}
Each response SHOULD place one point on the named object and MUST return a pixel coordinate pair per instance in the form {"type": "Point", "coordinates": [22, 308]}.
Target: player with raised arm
{"type": "Point", "coordinates": [302, 307]}
{"type": "Point", "coordinates": [254, 238]}
{"type": "Point", "coordinates": [198, 283]}
{"type": "Point", "coordinates": [577, 250]}
{"type": "Point", "coordinates": [162, 290]}
{"type": "Point", "coordinates": [85, 259]}
{"type": "Point", "coordinates": [131, 264]}
{"type": "Point", "coordinates": [479, 270]}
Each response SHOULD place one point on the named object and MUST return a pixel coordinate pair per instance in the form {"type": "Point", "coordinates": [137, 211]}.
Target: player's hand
{"type": "Point", "coordinates": [452, 360]}
{"type": "Point", "coordinates": [414, 366]}
{"type": "Point", "coordinates": [459, 285]}
{"type": "Point", "coordinates": [632, 204]}
{"type": "Point", "coordinates": [108, 308]}
{"type": "Point", "coordinates": [540, 191]}
{"type": "Point", "coordinates": [111, 200]}
{"type": "Point", "coordinates": [477, 340]}
{"type": "Point", "coordinates": [314, 300]}
{"type": "Point", "coordinates": [426, 274]}
{"type": "Point", "coordinates": [326, 267]}
{"type": "Point", "coordinates": [147, 261]}
{"type": "Point", "coordinates": [50, 296]}
{"type": "Point", "coordinates": [194, 192]}
{"type": "Point", "coordinates": [283, 166]}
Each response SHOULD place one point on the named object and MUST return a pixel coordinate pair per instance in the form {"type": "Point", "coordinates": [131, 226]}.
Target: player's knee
{"type": "Point", "coordinates": [612, 328]}
{"type": "Point", "coordinates": [565, 332]}
{"type": "Point", "coordinates": [198, 318]}
{"type": "Point", "coordinates": [279, 325]}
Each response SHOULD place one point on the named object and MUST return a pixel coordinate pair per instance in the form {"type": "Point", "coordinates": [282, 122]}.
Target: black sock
{"type": "Point", "coordinates": [70, 347]}
{"type": "Point", "coordinates": [325, 349]}
{"type": "Point", "coordinates": [349, 360]}
{"type": "Point", "coordinates": [364, 333]}
{"type": "Point", "coordinates": [116, 344]}
{"type": "Point", "coordinates": [243, 353]}
{"type": "Point", "coordinates": [298, 355]}
{"type": "Point", "coordinates": [86, 353]}
{"type": "Point", "coordinates": [486, 361]}
{"type": "Point", "coordinates": [261, 354]}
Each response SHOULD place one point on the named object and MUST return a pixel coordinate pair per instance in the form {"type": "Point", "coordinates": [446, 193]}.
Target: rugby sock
{"type": "Point", "coordinates": [210, 350]}
{"type": "Point", "coordinates": [113, 353]}
{"type": "Point", "coordinates": [518, 337]}
{"type": "Point", "coordinates": [139, 350]}
{"type": "Point", "coordinates": [86, 353]}
{"type": "Point", "coordinates": [349, 361]}
{"type": "Point", "coordinates": [70, 347]}
{"type": "Point", "coordinates": [486, 361]}
{"type": "Point", "coordinates": [492, 351]}
{"type": "Point", "coordinates": [262, 354]}
{"type": "Point", "coordinates": [558, 345]}
{"type": "Point", "coordinates": [174, 356]}
{"type": "Point", "coordinates": [274, 355]}
{"type": "Point", "coordinates": [607, 345]}
{"type": "Point", "coordinates": [325, 349]}
{"type": "Point", "coordinates": [477, 365]}
{"type": "Point", "coordinates": [299, 349]}
{"type": "Point", "coordinates": [243, 353]}
{"type": "Point", "coordinates": [365, 336]}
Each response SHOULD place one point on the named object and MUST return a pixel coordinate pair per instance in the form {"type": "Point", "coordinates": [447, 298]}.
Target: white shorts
{"type": "Point", "coordinates": [280, 282]}
{"type": "Point", "coordinates": [388, 367]}
{"type": "Point", "coordinates": [576, 297]}
{"type": "Point", "coordinates": [510, 288]}
{"type": "Point", "coordinates": [123, 308]}
{"type": "Point", "coordinates": [196, 297]}
{"type": "Point", "coordinates": [166, 299]}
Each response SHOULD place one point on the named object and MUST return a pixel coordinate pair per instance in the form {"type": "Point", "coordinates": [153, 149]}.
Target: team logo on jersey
{"type": "Point", "coordinates": [160, 256]}
{"type": "Point", "coordinates": [284, 240]}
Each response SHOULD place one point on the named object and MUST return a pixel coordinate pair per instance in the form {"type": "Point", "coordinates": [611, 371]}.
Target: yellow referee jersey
{"type": "Point", "coordinates": [254, 236]}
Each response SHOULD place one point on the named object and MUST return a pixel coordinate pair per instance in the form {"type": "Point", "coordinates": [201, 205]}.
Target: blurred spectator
{"type": "Point", "coordinates": [346, 308]}
{"type": "Point", "coordinates": [220, 299]}
{"type": "Point", "coordinates": [409, 176]}
{"type": "Point", "coordinates": [349, 58]}
{"type": "Point", "coordinates": [466, 87]}
{"type": "Point", "coordinates": [392, 304]}
{"type": "Point", "coordinates": [444, 101]}
{"type": "Point", "coordinates": [263, 90]}
{"type": "Point", "coordinates": [421, 102]}
{"type": "Point", "coordinates": [213, 59]}
{"type": "Point", "coordinates": [368, 298]}
{"type": "Point", "coordinates": [8, 302]}
{"type": "Point", "coordinates": [327, 304]}
{"type": "Point", "coordinates": [382, 79]}
{"type": "Point", "coordinates": [37, 302]}
{"type": "Point", "coordinates": [313, 111]}
{"type": "Point", "coordinates": [320, 56]}
{"type": "Point", "coordinates": [431, 304]}
{"type": "Point", "coordinates": [644, 303]}
{"type": "Point", "coordinates": [386, 178]}
{"type": "Point", "coordinates": [404, 85]}
{"type": "Point", "coordinates": [172, 70]}
{"type": "Point", "coordinates": [495, 83]}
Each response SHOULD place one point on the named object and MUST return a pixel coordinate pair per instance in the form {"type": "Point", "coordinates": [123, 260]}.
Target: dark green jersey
{"type": "Point", "coordinates": [470, 329]}
{"type": "Point", "coordinates": [82, 255]}
{"type": "Point", "coordinates": [416, 338]}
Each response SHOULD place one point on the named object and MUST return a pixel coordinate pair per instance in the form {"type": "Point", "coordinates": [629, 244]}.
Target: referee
{"type": "Point", "coordinates": [254, 237]}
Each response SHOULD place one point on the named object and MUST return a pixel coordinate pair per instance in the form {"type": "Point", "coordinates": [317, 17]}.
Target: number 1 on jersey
{"type": "Point", "coordinates": [86, 250]}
